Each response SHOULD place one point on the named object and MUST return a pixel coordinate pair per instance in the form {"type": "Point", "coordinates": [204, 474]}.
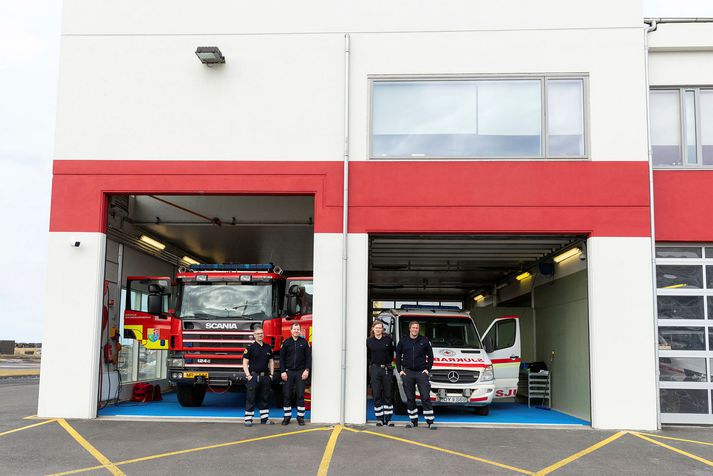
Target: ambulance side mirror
{"type": "Point", "coordinates": [488, 344]}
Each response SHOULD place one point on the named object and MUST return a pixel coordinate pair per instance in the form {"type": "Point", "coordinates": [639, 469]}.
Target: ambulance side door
{"type": "Point", "coordinates": [502, 340]}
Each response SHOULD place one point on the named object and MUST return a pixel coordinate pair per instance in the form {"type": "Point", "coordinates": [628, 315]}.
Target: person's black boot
{"type": "Point", "coordinates": [286, 421]}
{"type": "Point", "coordinates": [300, 421]}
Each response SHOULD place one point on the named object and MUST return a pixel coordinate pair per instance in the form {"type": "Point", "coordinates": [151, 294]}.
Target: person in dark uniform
{"type": "Point", "coordinates": [259, 366]}
{"type": "Point", "coordinates": [380, 355]}
{"type": "Point", "coordinates": [295, 365]}
{"type": "Point", "coordinates": [414, 360]}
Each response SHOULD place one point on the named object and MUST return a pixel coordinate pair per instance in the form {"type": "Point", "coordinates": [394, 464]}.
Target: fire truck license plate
{"type": "Point", "coordinates": [453, 399]}
{"type": "Point", "coordinates": [195, 374]}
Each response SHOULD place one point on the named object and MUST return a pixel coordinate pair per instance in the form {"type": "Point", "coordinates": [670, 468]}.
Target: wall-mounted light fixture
{"type": "Point", "coordinates": [479, 298]}
{"type": "Point", "coordinates": [189, 260]}
{"type": "Point", "coordinates": [567, 254]}
{"type": "Point", "coordinates": [523, 276]}
{"type": "Point", "coordinates": [210, 55]}
{"type": "Point", "coordinates": [151, 242]}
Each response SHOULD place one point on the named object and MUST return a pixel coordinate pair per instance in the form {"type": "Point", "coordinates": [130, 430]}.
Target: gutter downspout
{"type": "Point", "coordinates": [345, 232]}
{"type": "Point", "coordinates": [652, 25]}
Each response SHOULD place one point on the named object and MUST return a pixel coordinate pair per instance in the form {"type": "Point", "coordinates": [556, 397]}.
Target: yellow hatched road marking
{"type": "Point", "coordinates": [664, 445]}
{"type": "Point", "coordinates": [192, 450]}
{"type": "Point", "coordinates": [105, 463]}
{"type": "Point", "coordinates": [329, 451]}
{"type": "Point", "coordinates": [579, 454]}
{"type": "Point", "coordinates": [676, 439]}
{"type": "Point", "coordinates": [27, 427]}
{"type": "Point", "coordinates": [444, 450]}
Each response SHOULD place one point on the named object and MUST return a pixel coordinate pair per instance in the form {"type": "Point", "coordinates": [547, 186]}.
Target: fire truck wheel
{"type": "Point", "coordinates": [482, 411]}
{"type": "Point", "coordinates": [190, 395]}
{"type": "Point", "coordinates": [399, 405]}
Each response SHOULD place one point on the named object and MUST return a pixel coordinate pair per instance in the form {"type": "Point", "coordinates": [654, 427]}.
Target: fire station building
{"type": "Point", "coordinates": [551, 161]}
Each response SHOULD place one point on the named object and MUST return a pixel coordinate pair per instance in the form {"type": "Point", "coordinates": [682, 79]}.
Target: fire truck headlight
{"type": "Point", "coordinates": [487, 375]}
{"type": "Point", "coordinates": [176, 362]}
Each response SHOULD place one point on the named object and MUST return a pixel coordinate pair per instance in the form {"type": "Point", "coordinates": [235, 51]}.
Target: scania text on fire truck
{"type": "Point", "coordinates": [216, 308]}
{"type": "Point", "coordinates": [467, 370]}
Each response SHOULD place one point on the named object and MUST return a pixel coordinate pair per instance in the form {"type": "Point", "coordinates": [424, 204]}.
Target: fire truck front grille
{"type": "Point", "coordinates": [454, 376]}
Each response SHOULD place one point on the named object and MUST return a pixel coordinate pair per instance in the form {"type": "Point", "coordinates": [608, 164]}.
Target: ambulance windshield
{"type": "Point", "coordinates": [221, 300]}
{"type": "Point", "coordinates": [444, 331]}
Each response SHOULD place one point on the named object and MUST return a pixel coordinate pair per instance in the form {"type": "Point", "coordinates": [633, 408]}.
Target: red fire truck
{"type": "Point", "coordinates": [210, 325]}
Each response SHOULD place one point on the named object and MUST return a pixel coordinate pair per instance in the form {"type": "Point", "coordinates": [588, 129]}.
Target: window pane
{"type": "Point", "coordinates": [565, 117]}
{"type": "Point", "coordinates": [665, 128]}
{"type": "Point", "coordinates": [382, 304]}
{"type": "Point", "coordinates": [706, 115]}
{"type": "Point", "coordinates": [149, 364]}
{"type": "Point", "coordinates": [710, 370]}
{"type": "Point", "coordinates": [679, 277]}
{"type": "Point", "coordinates": [682, 338]}
{"type": "Point", "coordinates": [710, 309]}
{"type": "Point", "coordinates": [678, 252]}
{"type": "Point", "coordinates": [675, 400]}
{"type": "Point", "coordinates": [680, 307]}
{"type": "Point", "coordinates": [126, 361]}
{"type": "Point", "coordinates": [456, 118]}
{"type": "Point", "coordinates": [709, 252]}
{"type": "Point", "coordinates": [709, 277]}
{"type": "Point", "coordinates": [689, 125]}
{"type": "Point", "coordinates": [682, 369]}
{"type": "Point", "coordinates": [505, 336]}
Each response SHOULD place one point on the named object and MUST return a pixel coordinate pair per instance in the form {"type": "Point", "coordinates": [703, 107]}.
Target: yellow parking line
{"type": "Point", "coordinates": [579, 454]}
{"type": "Point", "coordinates": [676, 439]}
{"type": "Point", "coordinates": [90, 449]}
{"type": "Point", "coordinates": [329, 451]}
{"type": "Point", "coordinates": [444, 450]}
{"type": "Point", "coordinates": [30, 417]}
{"type": "Point", "coordinates": [664, 445]}
{"type": "Point", "coordinates": [26, 427]}
{"type": "Point", "coordinates": [192, 450]}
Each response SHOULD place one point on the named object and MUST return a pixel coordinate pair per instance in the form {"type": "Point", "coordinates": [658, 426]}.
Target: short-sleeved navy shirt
{"type": "Point", "coordinates": [259, 357]}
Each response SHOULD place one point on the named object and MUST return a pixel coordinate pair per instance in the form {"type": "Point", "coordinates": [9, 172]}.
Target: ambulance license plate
{"type": "Point", "coordinates": [195, 374]}
{"type": "Point", "coordinates": [453, 399]}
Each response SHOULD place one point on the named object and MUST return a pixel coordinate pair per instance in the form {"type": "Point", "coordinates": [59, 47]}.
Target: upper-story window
{"type": "Point", "coordinates": [518, 118]}
{"type": "Point", "coordinates": [682, 127]}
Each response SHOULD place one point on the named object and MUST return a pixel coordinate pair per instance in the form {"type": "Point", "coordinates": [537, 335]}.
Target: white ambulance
{"type": "Point", "coordinates": [468, 370]}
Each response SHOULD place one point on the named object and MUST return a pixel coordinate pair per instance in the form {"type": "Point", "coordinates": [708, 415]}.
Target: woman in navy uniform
{"type": "Point", "coordinates": [380, 355]}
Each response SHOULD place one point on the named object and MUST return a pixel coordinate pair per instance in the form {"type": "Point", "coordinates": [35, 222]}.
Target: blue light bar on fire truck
{"type": "Point", "coordinates": [424, 307]}
{"type": "Point", "coordinates": [266, 267]}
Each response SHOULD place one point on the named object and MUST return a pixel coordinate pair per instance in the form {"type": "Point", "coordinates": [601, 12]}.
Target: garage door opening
{"type": "Point", "coordinates": [186, 279]}
{"type": "Point", "coordinates": [527, 297]}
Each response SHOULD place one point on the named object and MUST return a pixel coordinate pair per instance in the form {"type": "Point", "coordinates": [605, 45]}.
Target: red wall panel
{"type": "Point", "coordinates": [597, 198]}
{"type": "Point", "coordinates": [683, 205]}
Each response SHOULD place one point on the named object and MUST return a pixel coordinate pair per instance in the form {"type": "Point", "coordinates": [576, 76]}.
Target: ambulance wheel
{"type": "Point", "coordinates": [482, 411]}
{"type": "Point", "coordinates": [399, 405]}
{"type": "Point", "coordinates": [190, 395]}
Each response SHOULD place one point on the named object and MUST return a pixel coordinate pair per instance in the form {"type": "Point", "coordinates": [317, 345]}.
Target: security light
{"type": "Point", "coordinates": [523, 276]}
{"type": "Point", "coordinates": [151, 242]}
{"type": "Point", "coordinates": [210, 55]}
{"type": "Point", "coordinates": [189, 260]}
{"type": "Point", "coordinates": [567, 254]}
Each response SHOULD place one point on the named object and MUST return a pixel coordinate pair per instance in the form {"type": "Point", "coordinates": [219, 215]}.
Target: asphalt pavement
{"type": "Point", "coordinates": [30, 446]}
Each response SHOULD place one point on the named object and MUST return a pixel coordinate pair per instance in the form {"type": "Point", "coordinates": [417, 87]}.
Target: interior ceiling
{"type": "Point", "coordinates": [429, 266]}
{"type": "Point", "coordinates": [232, 229]}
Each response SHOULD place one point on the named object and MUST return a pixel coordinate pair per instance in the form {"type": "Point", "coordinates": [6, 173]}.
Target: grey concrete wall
{"type": "Point", "coordinates": [562, 327]}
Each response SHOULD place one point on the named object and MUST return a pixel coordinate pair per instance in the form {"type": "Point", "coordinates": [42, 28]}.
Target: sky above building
{"type": "Point", "coordinates": [29, 58]}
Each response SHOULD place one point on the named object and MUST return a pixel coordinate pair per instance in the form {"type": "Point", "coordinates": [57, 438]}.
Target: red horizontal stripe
{"type": "Point", "coordinates": [595, 198]}
{"type": "Point", "coordinates": [237, 350]}
{"type": "Point", "coordinates": [478, 399]}
{"type": "Point", "coordinates": [504, 361]}
{"type": "Point", "coordinates": [236, 366]}
{"type": "Point", "coordinates": [448, 365]}
{"type": "Point", "coordinates": [682, 199]}
{"type": "Point", "coordinates": [212, 356]}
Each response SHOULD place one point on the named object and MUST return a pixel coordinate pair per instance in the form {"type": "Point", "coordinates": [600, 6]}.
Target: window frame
{"type": "Point", "coordinates": [681, 90]}
{"type": "Point", "coordinates": [544, 143]}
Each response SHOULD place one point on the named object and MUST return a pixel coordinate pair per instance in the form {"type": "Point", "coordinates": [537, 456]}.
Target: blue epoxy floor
{"type": "Point", "coordinates": [230, 405]}
{"type": "Point", "coordinates": [500, 413]}
{"type": "Point", "coordinates": [215, 405]}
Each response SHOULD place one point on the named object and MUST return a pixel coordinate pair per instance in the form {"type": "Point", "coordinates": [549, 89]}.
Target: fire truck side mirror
{"type": "Point", "coordinates": [155, 304]}
{"type": "Point", "coordinates": [291, 305]}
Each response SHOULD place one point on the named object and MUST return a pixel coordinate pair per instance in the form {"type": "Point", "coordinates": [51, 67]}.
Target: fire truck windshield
{"type": "Point", "coordinates": [444, 331]}
{"type": "Point", "coordinates": [221, 300]}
